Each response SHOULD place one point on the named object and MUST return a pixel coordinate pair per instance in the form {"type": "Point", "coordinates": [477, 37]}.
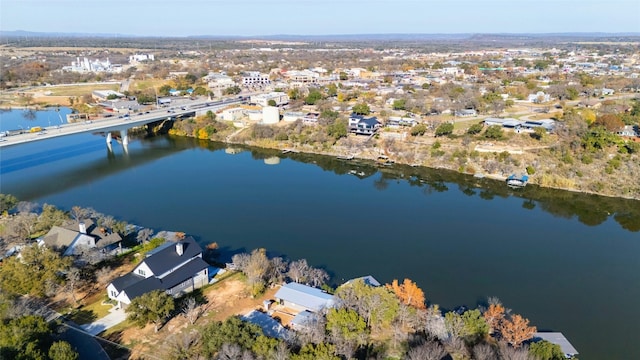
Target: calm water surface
{"type": "Point", "coordinates": [566, 261]}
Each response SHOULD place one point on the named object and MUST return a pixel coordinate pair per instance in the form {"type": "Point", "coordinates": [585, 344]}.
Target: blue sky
{"type": "Point", "coordinates": [306, 17]}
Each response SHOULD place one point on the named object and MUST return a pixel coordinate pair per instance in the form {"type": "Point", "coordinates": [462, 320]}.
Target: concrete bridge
{"type": "Point", "coordinates": [121, 123]}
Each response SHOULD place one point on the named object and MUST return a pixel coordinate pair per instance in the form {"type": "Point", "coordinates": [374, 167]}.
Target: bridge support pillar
{"type": "Point", "coordinates": [124, 137]}
{"type": "Point", "coordinates": [108, 138]}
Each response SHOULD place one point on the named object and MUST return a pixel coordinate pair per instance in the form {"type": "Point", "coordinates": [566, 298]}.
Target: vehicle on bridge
{"type": "Point", "coordinates": [35, 129]}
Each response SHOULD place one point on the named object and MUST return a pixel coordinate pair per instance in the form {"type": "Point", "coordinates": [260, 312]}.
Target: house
{"type": "Point", "coordinates": [558, 339]}
{"type": "Point", "coordinates": [360, 125]}
{"type": "Point", "coordinates": [466, 113]}
{"type": "Point", "coordinates": [174, 267]}
{"type": "Point", "coordinates": [397, 121]}
{"type": "Point", "coordinates": [217, 81]}
{"type": "Point", "coordinates": [174, 92]}
{"type": "Point", "coordinates": [629, 131]}
{"type": "Point", "coordinates": [300, 297]}
{"type": "Point", "coordinates": [71, 238]}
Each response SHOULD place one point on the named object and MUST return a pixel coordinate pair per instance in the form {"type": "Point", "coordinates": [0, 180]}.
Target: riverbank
{"type": "Point", "coordinates": [474, 158]}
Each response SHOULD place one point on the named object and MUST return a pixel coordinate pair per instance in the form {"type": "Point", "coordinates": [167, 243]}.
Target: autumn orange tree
{"type": "Point", "coordinates": [408, 292]}
{"type": "Point", "coordinates": [517, 330]}
{"type": "Point", "coordinates": [494, 317]}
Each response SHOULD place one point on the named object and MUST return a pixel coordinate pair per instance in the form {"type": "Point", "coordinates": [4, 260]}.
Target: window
{"type": "Point", "coordinates": [142, 272]}
{"type": "Point", "coordinates": [114, 294]}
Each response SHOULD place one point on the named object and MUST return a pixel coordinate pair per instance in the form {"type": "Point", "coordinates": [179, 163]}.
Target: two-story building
{"type": "Point", "coordinates": [360, 125]}
{"type": "Point", "coordinates": [174, 267]}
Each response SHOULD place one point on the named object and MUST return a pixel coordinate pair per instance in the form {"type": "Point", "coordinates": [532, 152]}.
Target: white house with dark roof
{"type": "Point", "coordinates": [176, 268]}
{"type": "Point", "coordinates": [68, 239]}
{"type": "Point", "coordinates": [301, 297]}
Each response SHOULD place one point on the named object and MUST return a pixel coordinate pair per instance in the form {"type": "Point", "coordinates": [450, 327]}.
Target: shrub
{"type": "Point", "coordinates": [444, 129]}
{"type": "Point", "coordinates": [494, 132]}
{"type": "Point", "coordinates": [418, 130]}
{"type": "Point", "coordinates": [474, 129]}
{"type": "Point", "coordinates": [531, 170]}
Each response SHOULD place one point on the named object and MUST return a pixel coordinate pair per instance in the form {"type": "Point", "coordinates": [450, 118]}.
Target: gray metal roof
{"type": "Point", "coordinates": [305, 296]}
{"type": "Point", "coordinates": [270, 327]}
{"type": "Point", "coordinates": [556, 338]}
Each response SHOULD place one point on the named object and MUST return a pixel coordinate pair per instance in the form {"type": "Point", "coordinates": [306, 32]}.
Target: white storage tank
{"type": "Point", "coordinates": [273, 160]}
{"type": "Point", "coordinates": [270, 115]}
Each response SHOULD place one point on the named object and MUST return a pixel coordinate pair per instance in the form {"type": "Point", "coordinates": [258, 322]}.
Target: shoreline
{"type": "Point", "coordinates": [495, 177]}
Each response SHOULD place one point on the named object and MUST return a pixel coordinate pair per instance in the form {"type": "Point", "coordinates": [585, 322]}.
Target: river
{"type": "Point", "coordinates": [569, 262]}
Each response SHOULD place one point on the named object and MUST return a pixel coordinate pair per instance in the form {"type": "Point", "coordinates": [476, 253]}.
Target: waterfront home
{"type": "Point", "coordinates": [360, 125]}
{"type": "Point", "coordinates": [68, 239]}
{"type": "Point", "coordinates": [175, 267]}
{"type": "Point", "coordinates": [367, 280]}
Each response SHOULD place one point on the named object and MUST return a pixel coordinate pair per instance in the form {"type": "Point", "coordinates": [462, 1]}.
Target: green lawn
{"type": "Point", "coordinates": [146, 84]}
{"type": "Point", "coordinates": [89, 313]}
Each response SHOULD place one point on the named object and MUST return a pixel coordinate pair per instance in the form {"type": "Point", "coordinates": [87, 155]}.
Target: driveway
{"type": "Point", "coordinates": [114, 318]}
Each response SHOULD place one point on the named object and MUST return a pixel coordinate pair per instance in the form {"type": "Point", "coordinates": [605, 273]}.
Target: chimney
{"type": "Point", "coordinates": [83, 227]}
{"type": "Point", "coordinates": [180, 248]}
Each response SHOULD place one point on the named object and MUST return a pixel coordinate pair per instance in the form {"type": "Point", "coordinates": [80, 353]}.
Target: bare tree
{"type": "Point", "coordinates": [78, 213]}
{"type": "Point", "coordinates": [509, 353]}
{"type": "Point", "coordinates": [74, 276]}
{"type": "Point", "coordinates": [313, 331]}
{"type": "Point", "coordinates": [144, 235]}
{"type": "Point", "coordinates": [229, 352]}
{"type": "Point", "coordinates": [317, 277]}
{"type": "Point", "coordinates": [281, 352]}
{"type": "Point", "coordinates": [298, 270]}
{"type": "Point", "coordinates": [240, 261]}
{"type": "Point", "coordinates": [104, 275]}
{"type": "Point", "coordinates": [183, 346]}
{"type": "Point", "coordinates": [27, 207]}
{"type": "Point", "coordinates": [484, 351]}
{"type": "Point", "coordinates": [192, 311]}
{"type": "Point", "coordinates": [277, 270]}
{"type": "Point", "coordinates": [435, 324]}
{"type": "Point", "coordinates": [428, 350]}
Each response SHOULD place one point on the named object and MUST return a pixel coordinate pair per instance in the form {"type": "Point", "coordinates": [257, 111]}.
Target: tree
{"type": "Point", "coordinates": [544, 350]}
{"type": "Point", "coordinates": [73, 277]}
{"type": "Point", "coordinates": [256, 270]}
{"type": "Point", "coordinates": [272, 102]}
{"type": "Point", "coordinates": [25, 338]}
{"type": "Point", "coordinates": [298, 270]}
{"type": "Point", "coordinates": [494, 132]}
{"type": "Point", "coordinates": [7, 202]}
{"type": "Point", "coordinates": [539, 133]}
{"type": "Point", "coordinates": [313, 97]}
{"type": "Point", "coordinates": [348, 330]}
{"type": "Point", "coordinates": [361, 109]}
{"type": "Point", "coordinates": [232, 90]}
{"type": "Point", "coordinates": [191, 310]}
{"type": "Point", "coordinates": [418, 130]}
{"type": "Point", "coordinates": [30, 274]}
{"type": "Point", "coordinates": [62, 350]}
{"type": "Point", "coordinates": [476, 328]}
{"type": "Point", "coordinates": [338, 129]}
{"type": "Point", "coordinates": [49, 217]}
{"type": "Point", "coordinates": [494, 316]}
{"type": "Point", "coordinates": [475, 129]}
{"type": "Point", "coordinates": [611, 122]}
{"type": "Point", "coordinates": [144, 235]}
{"type": "Point", "coordinates": [152, 307]}
{"type": "Point", "coordinates": [517, 330]}
{"type": "Point", "coordinates": [444, 129]}
{"type": "Point", "coordinates": [343, 76]}
{"type": "Point", "coordinates": [232, 331]}
{"type": "Point", "coordinates": [408, 292]}
{"type": "Point", "coordinates": [320, 351]}
{"type": "Point", "coordinates": [427, 350]}
{"type": "Point", "coordinates": [79, 213]}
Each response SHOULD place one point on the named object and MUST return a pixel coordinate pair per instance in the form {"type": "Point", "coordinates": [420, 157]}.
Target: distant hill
{"type": "Point", "coordinates": [339, 37]}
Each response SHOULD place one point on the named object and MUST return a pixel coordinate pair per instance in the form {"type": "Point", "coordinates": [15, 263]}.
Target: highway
{"type": "Point", "coordinates": [117, 123]}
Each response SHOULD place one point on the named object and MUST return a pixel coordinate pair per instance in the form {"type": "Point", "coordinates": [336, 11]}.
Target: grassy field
{"type": "Point", "coordinates": [80, 90]}
{"type": "Point", "coordinates": [139, 85]}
